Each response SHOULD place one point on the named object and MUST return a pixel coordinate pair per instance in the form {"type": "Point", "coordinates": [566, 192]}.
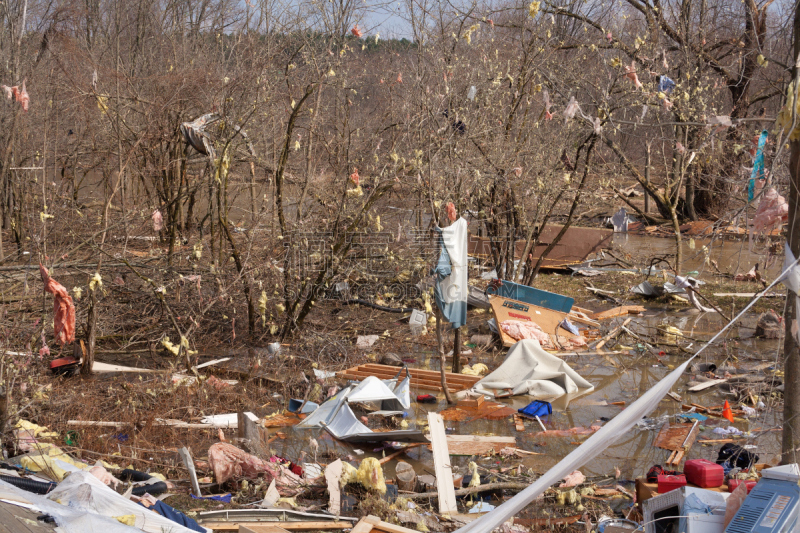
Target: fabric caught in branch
{"type": "Point", "coordinates": [758, 166]}
{"type": "Point", "coordinates": [63, 309]}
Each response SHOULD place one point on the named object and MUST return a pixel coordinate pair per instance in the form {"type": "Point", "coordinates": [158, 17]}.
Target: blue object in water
{"type": "Point", "coordinates": [523, 293]}
{"type": "Point", "coordinates": [693, 416]}
{"type": "Point", "coordinates": [537, 408]}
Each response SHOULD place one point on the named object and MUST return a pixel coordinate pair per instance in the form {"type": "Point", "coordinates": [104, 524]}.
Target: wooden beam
{"type": "Point", "coordinates": [441, 462]}
{"type": "Point", "coordinates": [224, 527]}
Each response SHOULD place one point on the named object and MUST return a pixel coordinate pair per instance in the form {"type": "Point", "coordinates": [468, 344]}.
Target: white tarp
{"type": "Point", "coordinates": [528, 369]}
{"type": "Point", "coordinates": [68, 519]}
{"type": "Point", "coordinates": [83, 504]}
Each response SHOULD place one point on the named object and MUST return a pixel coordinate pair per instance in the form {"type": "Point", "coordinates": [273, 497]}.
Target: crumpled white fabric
{"type": "Point", "coordinates": [528, 369]}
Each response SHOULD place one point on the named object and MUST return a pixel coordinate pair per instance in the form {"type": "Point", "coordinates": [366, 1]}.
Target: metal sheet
{"type": "Point", "coordinates": [372, 389]}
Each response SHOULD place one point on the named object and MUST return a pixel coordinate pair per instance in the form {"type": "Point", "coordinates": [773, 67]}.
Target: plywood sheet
{"type": "Point", "coordinates": [547, 319]}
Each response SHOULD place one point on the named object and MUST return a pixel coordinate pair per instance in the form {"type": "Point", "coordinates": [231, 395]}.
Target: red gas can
{"type": "Point", "coordinates": [733, 483]}
{"type": "Point", "coordinates": [668, 483]}
{"type": "Point", "coordinates": [704, 473]}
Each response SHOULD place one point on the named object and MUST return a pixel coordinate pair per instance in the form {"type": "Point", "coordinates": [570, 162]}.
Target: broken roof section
{"type": "Point", "coordinates": [338, 419]}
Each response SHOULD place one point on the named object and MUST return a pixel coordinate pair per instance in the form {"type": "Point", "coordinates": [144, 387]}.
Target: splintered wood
{"type": "Point", "coordinates": [420, 379]}
{"type": "Point", "coordinates": [619, 311]}
{"type": "Point", "coordinates": [677, 438]}
{"type": "Point", "coordinates": [467, 410]}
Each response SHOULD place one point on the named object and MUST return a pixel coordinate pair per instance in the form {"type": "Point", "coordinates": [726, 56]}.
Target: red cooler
{"type": "Point", "coordinates": [668, 483]}
{"type": "Point", "coordinates": [704, 473]}
{"type": "Point", "coordinates": [733, 483]}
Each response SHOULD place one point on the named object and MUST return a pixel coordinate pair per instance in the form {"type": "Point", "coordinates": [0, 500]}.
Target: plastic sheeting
{"type": "Point", "coordinates": [590, 449]}
{"type": "Point", "coordinates": [772, 210]}
{"type": "Point", "coordinates": [528, 369]}
{"type": "Point", "coordinates": [452, 290]}
{"type": "Point", "coordinates": [84, 492]}
{"type": "Point", "coordinates": [72, 518]}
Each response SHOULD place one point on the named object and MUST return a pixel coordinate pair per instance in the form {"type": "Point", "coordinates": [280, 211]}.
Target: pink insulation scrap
{"type": "Point", "coordinates": [519, 330]}
{"type": "Point", "coordinates": [229, 462]}
{"type": "Point", "coordinates": [772, 210]}
{"type": "Point", "coordinates": [63, 309]}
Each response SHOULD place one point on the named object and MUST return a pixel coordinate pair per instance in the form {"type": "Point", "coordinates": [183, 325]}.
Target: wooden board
{"type": "Point", "coordinates": [619, 311]}
{"type": "Point", "coordinates": [289, 526]}
{"type": "Point", "coordinates": [487, 411]}
{"type": "Point", "coordinates": [441, 463]}
{"type": "Point", "coordinates": [706, 385]}
{"type": "Point", "coordinates": [477, 444]}
{"type": "Point", "coordinates": [13, 519]}
{"type": "Point", "coordinates": [547, 319]}
{"type": "Point", "coordinates": [672, 436]}
{"type": "Point", "coordinates": [262, 529]}
{"type": "Point", "coordinates": [420, 379]}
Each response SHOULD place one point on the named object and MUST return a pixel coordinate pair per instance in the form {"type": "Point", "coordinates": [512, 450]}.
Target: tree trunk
{"type": "Point", "coordinates": [457, 351]}
{"type": "Point", "coordinates": [440, 347]}
{"type": "Point", "coordinates": [791, 352]}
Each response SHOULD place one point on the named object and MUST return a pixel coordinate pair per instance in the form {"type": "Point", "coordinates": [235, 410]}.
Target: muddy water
{"type": "Point", "coordinates": [635, 372]}
{"type": "Point", "coordinates": [616, 377]}
{"type": "Point", "coordinates": [731, 255]}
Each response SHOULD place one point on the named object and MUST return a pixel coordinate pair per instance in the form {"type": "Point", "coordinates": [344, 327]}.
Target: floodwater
{"type": "Point", "coordinates": [634, 373]}
{"type": "Point", "coordinates": [616, 377]}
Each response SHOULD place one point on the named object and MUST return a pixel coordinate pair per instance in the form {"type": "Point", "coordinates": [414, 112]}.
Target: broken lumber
{"type": "Point", "coordinates": [706, 385]}
{"type": "Point", "coordinates": [225, 527]}
{"type": "Point", "coordinates": [441, 462]}
{"type": "Point", "coordinates": [619, 311]}
{"type": "Point", "coordinates": [420, 379]}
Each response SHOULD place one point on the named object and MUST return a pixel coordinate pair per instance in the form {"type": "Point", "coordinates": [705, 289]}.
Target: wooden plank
{"type": "Point", "coordinates": [262, 529]}
{"type": "Point", "coordinates": [422, 376]}
{"type": "Point", "coordinates": [418, 372]}
{"type": "Point", "coordinates": [477, 445]}
{"type": "Point", "coordinates": [366, 524]}
{"type": "Point", "coordinates": [519, 424]}
{"type": "Point", "coordinates": [619, 311]}
{"type": "Point", "coordinates": [706, 385]}
{"type": "Point", "coordinates": [391, 528]}
{"type": "Point", "coordinates": [11, 520]}
{"type": "Point", "coordinates": [422, 380]}
{"type": "Point", "coordinates": [289, 526]}
{"type": "Point", "coordinates": [441, 462]}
